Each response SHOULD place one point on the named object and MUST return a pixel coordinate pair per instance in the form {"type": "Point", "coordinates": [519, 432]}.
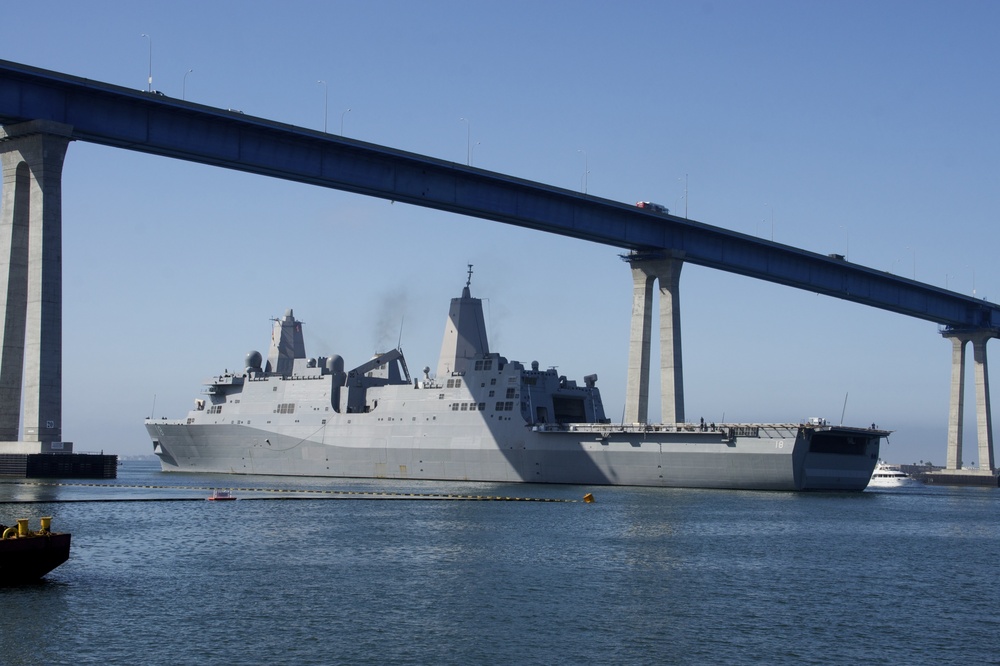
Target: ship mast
{"type": "Point", "coordinates": [464, 333]}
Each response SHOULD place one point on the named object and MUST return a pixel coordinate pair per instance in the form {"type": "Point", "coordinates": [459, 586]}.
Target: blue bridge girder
{"type": "Point", "coordinates": [115, 116]}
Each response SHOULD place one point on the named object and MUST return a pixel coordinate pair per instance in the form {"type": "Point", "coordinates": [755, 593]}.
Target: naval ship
{"type": "Point", "coordinates": [481, 417]}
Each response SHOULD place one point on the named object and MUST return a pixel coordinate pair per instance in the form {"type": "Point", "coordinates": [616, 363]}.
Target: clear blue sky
{"type": "Point", "coordinates": [863, 128]}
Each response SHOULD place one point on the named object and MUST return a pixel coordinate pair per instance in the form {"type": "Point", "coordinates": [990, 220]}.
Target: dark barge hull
{"type": "Point", "coordinates": [27, 559]}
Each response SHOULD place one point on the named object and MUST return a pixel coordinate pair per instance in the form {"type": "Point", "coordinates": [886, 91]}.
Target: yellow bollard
{"type": "Point", "coordinates": [46, 523]}
{"type": "Point", "coordinates": [22, 527]}
{"type": "Point", "coordinates": [588, 498]}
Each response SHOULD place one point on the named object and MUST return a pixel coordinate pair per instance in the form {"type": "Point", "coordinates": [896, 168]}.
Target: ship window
{"type": "Point", "coordinates": [465, 407]}
{"type": "Point", "coordinates": [508, 406]}
{"type": "Point", "coordinates": [569, 410]}
{"type": "Point", "coordinates": [482, 406]}
{"type": "Point", "coordinates": [479, 365]}
{"type": "Point", "coordinates": [493, 382]}
{"type": "Point", "coordinates": [492, 393]}
{"type": "Point", "coordinates": [487, 365]}
{"type": "Point", "coordinates": [451, 383]}
{"type": "Point", "coordinates": [511, 393]}
{"type": "Point", "coordinates": [440, 396]}
{"type": "Point", "coordinates": [829, 443]}
{"type": "Point", "coordinates": [454, 406]}
{"type": "Point", "coordinates": [499, 407]}
{"type": "Point", "coordinates": [286, 408]}
{"type": "Point", "coordinates": [458, 383]}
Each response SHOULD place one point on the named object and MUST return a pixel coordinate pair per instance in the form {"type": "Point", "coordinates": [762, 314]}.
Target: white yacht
{"type": "Point", "coordinates": [889, 476]}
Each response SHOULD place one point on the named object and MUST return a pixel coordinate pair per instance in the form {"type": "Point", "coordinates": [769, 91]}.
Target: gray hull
{"type": "Point", "coordinates": [777, 457]}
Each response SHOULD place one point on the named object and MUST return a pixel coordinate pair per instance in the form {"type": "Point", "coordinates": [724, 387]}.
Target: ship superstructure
{"type": "Point", "coordinates": [482, 417]}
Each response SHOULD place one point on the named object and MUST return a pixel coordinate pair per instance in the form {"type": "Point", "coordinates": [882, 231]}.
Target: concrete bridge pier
{"type": "Point", "coordinates": [31, 155]}
{"type": "Point", "coordinates": [646, 269]}
{"type": "Point", "coordinates": [984, 420]}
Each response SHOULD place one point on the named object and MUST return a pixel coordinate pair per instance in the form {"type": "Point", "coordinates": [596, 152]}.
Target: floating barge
{"type": "Point", "coordinates": [26, 556]}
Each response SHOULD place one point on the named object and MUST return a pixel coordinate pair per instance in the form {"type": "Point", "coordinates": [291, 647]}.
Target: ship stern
{"type": "Point", "coordinates": [836, 458]}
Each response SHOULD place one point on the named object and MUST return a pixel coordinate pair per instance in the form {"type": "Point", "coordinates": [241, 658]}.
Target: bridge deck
{"type": "Point", "coordinates": [115, 116]}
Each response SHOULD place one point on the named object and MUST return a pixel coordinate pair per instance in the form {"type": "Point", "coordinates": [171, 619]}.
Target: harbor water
{"type": "Point", "coordinates": [333, 571]}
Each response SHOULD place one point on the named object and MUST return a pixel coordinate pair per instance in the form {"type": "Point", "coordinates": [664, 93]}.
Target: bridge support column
{"type": "Point", "coordinates": [956, 410]}
{"type": "Point", "coordinates": [645, 270]}
{"type": "Point", "coordinates": [637, 386]}
{"type": "Point", "coordinates": [984, 419]}
{"type": "Point", "coordinates": [32, 157]}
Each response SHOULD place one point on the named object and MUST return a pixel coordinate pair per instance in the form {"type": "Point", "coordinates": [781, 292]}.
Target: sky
{"type": "Point", "coordinates": [867, 129]}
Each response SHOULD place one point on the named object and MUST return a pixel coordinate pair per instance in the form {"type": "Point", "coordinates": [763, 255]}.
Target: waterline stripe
{"type": "Point", "coordinates": [282, 493]}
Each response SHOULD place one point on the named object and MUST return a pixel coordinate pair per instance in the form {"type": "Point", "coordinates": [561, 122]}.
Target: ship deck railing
{"type": "Point", "coordinates": [640, 428]}
{"type": "Point", "coordinates": [725, 429]}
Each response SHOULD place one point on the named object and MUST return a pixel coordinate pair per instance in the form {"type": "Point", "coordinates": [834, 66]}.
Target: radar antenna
{"type": "Point", "coordinates": [469, 281]}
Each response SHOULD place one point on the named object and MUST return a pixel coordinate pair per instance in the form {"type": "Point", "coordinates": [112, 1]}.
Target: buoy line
{"type": "Point", "coordinates": [281, 493]}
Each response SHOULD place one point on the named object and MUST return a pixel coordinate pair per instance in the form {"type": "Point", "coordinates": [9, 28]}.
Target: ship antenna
{"type": "Point", "coordinates": [469, 281]}
{"type": "Point", "coordinates": [399, 342]}
{"type": "Point", "coordinates": [843, 410]}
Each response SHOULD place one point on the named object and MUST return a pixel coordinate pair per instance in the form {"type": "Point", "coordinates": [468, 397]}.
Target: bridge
{"type": "Point", "coordinates": [42, 111]}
